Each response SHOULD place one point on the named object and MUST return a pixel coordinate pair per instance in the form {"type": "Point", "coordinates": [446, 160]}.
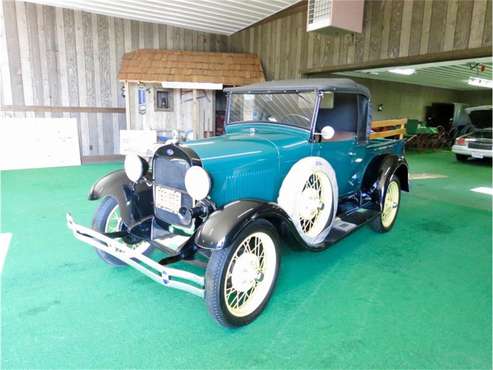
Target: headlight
{"type": "Point", "coordinates": [197, 182]}
{"type": "Point", "coordinates": [135, 167]}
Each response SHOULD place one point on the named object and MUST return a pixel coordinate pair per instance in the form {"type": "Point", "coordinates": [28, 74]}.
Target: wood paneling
{"type": "Point", "coordinates": [393, 30]}
{"type": "Point", "coordinates": [58, 62]}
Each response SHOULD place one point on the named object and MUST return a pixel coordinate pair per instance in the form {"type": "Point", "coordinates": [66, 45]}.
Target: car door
{"type": "Point", "coordinates": [343, 151]}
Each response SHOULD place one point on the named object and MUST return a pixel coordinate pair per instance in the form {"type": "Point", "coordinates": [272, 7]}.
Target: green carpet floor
{"type": "Point", "coordinates": [417, 297]}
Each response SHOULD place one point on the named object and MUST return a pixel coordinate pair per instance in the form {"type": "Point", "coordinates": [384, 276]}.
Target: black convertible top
{"type": "Point", "coordinates": [322, 84]}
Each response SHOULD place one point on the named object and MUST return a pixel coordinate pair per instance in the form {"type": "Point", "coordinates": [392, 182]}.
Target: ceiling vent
{"type": "Point", "coordinates": [324, 15]}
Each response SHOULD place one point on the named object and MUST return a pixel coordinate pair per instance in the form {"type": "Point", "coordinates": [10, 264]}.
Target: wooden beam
{"type": "Point", "coordinates": [382, 134]}
{"type": "Point", "coordinates": [394, 127]}
{"type": "Point", "coordinates": [414, 59]}
{"type": "Point", "coordinates": [388, 122]}
{"type": "Point", "coordinates": [59, 109]}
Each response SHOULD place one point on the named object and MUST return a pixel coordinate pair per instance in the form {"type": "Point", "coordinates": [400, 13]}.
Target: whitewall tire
{"type": "Point", "coordinates": [241, 277]}
{"type": "Point", "coordinates": [309, 195]}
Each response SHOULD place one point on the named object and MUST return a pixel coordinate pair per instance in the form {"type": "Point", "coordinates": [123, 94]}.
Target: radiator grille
{"type": "Point", "coordinates": [170, 173]}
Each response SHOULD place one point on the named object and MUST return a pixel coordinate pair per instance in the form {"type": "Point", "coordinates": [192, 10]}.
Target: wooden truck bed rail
{"type": "Point", "coordinates": [388, 128]}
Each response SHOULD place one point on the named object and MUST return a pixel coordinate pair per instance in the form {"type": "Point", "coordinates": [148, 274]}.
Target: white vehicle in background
{"type": "Point", "coordinates": [477, 143]}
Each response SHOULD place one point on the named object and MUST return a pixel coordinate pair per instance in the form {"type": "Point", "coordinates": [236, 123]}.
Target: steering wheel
{"type": "Point", "coordinates": [299, 116]}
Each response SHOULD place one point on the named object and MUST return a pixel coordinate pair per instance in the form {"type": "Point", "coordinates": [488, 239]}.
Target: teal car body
{"type": "Point", "coordinates": [296, 162]}
{"type": "Point", "coordinates": [251, 160]}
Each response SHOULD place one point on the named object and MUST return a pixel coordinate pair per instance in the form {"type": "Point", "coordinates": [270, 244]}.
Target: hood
{"type": "Point", "coordinates": [250, 159]}
{"type": "Point", "coordinates": [248, 141]}
{"type": "Point", "coordinates": [480, 116]}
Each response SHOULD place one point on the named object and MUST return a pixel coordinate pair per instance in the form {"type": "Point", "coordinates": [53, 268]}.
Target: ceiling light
{"type": "Point", "coordinates": [403, 71]}
{"type": "Point", "coordinates": [481, 82]}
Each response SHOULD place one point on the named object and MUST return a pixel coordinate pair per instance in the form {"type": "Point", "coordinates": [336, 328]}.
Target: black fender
{"type": "Point", "coordinates": [135, 200]}
{"type": "Point", "coordinates": [223, 226]}
{"type": "Point", "coordinates": [379, 173]}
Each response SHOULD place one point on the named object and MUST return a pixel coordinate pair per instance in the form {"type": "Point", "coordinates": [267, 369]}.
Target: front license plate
{"type": "Point", "coordinates": [475, 155]}
{"type": "Point", "coordinates": [168, 199]}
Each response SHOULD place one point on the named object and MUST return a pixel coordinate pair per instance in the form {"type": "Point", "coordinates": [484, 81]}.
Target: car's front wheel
{"type": "Point", "coordinates": [241, 277]}
{"type": "Point", "coordinates": [107, 219]}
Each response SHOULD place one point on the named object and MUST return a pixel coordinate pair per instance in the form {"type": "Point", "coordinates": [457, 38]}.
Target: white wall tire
{"type": "Point", "coordinates": [309, 195]}
{"type": "Point", "coordinates": [390, 207]}
{"type": "Point", "coordinates": [240, 278]}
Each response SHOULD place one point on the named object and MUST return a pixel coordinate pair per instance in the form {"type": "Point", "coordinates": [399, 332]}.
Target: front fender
{"type": "Point", "coordinates": [222, 227]}
{"type": "Point", "coordinates": [134, 200]}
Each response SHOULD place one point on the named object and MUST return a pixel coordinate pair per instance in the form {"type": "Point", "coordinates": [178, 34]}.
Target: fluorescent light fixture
{"type": "Point", "coordinates": [483, 190]}
{"type": "Point", "coordinates": [481, 82]}
{"type": "Point", "coordinates": [403, 71]}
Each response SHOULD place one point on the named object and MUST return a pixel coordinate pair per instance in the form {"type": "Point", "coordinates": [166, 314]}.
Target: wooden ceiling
{"type": "Point", "coordinates": [448, 75]}
{"type": "Point", "coordinates": [214, 16]}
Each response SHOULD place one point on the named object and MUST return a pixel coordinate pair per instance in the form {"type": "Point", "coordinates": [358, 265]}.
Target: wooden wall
{"type": "Point", "coordinates": [180, 117]}
{"type": "Point", "coordinates": [54, 61]}
{"type": "Point", "coordinates": [393, 30]}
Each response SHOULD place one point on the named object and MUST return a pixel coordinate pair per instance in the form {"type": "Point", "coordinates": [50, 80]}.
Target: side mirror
{"type": "Point", "coordinates": [327, 132]}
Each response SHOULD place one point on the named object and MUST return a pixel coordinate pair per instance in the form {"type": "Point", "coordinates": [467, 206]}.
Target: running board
{"type": "Point", "coordinates": [346, 224]}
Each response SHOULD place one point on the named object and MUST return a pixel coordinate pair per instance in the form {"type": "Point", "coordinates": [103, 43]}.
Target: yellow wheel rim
{"type": "Point", "coordinates": [391, 204]}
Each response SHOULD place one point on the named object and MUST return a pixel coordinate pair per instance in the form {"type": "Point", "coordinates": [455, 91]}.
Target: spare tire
{"type": "Point", "coordinates": [309, 195]}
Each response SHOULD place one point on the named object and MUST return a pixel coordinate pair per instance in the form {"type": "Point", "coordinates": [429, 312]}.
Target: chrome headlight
{"type": "Point", "coordinates": [135, 167]}
{"type": "Point", "coordinates": [197, 182]}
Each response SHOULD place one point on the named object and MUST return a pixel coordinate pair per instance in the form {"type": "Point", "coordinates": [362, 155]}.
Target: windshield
{"type": "Point", "coordinates": [294, 109]}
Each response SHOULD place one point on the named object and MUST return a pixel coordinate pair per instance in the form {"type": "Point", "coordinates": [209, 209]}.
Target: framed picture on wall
{"type": "Point", "coordinates": [164, 100]}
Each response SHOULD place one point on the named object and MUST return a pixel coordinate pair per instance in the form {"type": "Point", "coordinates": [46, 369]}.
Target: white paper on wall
{"type": "Point", "coordinates": [38, 143]}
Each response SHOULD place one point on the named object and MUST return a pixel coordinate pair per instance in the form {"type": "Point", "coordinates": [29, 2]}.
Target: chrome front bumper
{"type": "Point", "coordinates": [166, 276]}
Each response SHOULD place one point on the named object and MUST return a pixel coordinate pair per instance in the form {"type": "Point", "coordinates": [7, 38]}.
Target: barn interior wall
{"type": "Point", "coordinates": [475, 98]}
{"type": "Point", "coordinates": [54, 57]}
{"type": "Point", "coordinates": [392, 30]}
{"type": "Point", "coordinates": [58, 57]}
{"type": "Point", "coordinates": [410, 102]}
{"type": "Point", "coordinates": [179, 118]}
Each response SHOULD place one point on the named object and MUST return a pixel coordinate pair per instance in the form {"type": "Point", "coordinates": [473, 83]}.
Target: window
{"type": "Point", "coordinates": [164, 100]}
{"type": "Point", "coordinates": [342, 117]}
{"type": "Point", "coordinates": [294, 109]}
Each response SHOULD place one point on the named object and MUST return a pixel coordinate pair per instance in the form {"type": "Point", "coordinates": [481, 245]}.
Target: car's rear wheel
{"type": "Point", "coordinates": [461, 157]}
{"type": "Point", "coordinates": [240, 278]}
{"type": "Point", "coordinates": [390, 207]}
{"type": "Point", "coordinates": [107, 219]}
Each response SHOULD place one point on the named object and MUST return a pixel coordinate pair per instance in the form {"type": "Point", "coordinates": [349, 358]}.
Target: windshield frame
{"type": "Point", "coordinates": [313, 118]}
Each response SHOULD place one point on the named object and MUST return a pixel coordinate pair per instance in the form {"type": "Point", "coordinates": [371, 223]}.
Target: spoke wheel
{"type": "Point", "coordinates": [107, 219]}
{"type": "Point", "coordinates": [250, 274]}
{"type": "Point", "coordinates": [390, 207]}
{"type": "Point", "coordinates": [240, 278]}
{"type": "Point", "coordinates": [309, 195]}
{"type": "Point", "coordinates": [313, 213]}
{"type": "Point", "coordinates": [390, 204]}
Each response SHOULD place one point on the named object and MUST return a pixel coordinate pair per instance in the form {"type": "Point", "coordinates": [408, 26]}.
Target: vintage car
{"type": "Point", "coordinates": [295, 164]}
{"type": "Point", "coordinates": [477, 140]}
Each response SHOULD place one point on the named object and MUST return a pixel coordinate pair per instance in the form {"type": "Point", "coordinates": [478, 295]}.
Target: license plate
{"type": "Point", "coordinates": [168, 199]}
{"type": "Point", "coordinates": [475, 155]}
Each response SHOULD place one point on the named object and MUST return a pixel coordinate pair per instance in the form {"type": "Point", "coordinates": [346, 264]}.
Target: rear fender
{"type": "Point", "coordinates": [134, 200]}
{"type": "Point", "coordinates": [378, 175]}
{"type": "Point", "coordinates": [223, 226]}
